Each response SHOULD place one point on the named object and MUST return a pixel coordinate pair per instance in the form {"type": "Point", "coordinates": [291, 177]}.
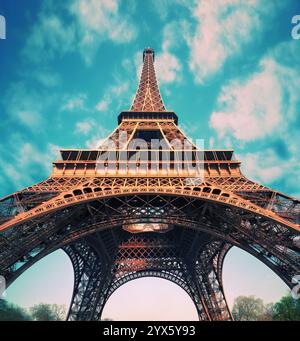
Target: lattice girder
{"type": "Point", "coordinates": [231, 224]}
{"type": "Point", "coordinates": [51, 188]}
{"type": "Point", "coordinates": [94, 190]}
{"type": "Point", "coordinates": [148, 96]}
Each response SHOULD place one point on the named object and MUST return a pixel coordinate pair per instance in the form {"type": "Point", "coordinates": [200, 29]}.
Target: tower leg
{"type": "Point", "coordinates": [90, 282]}
{"type": "Point", "coordinates": [208, 277]}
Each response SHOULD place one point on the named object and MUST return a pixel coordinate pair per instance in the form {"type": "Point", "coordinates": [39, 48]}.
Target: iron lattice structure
{"type": "Point", "coordinates": [130, 219]}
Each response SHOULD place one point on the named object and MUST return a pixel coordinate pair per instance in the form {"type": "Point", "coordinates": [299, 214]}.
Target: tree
{"type": "Point", "coordinates": [11, 312]}
{"type": "Point", "coordinates": [287, 309]}
{"type": "Point", "coordinates": [248, 308]}
{"type": "Point", "coordinates": [268, 313]}
{"type": "Point", "coordinates": [48, 312]}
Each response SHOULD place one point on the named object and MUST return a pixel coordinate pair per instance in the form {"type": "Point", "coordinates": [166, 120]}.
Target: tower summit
{"type": "Point", "coordinates": [140, 217]}
{"type": "Point", "coordinates": [148, 97]}
{"type": "Point", "coordinates": [148, 101]}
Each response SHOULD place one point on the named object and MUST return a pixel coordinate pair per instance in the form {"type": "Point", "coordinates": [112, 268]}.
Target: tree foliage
{"type": "Point", "coordinates": [268, 312]}
{"type": "Point", "coordinates": [39, 312]}
{"type": "Point", "coordinates": [247, 308]}
{"type": "Point", "coordinates": [287, 309]}
{"type": "Point", "coordinates": [11, 312]}
{"type": "Point", "coordinates": [250, 308]}
{"type": "Point", "coordinates": [48, 312]}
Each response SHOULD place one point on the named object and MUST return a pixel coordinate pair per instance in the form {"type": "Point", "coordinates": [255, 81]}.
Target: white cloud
{"type": "Point", "coordinates": [138, 64]}
{"type": "Point", "coordinates": [103, 104]}
{"type": "Point", "coordinates": [267, 167]}
{"type": "Point", "coordinates": [49, 36]}
{"type": "Point", "coordinates": [11, 172]}
{"type": "Point", "coordinates": [24, 162]}
{"type": "Point", "coordinates": [97, 139]}
{"type": "Point", "coordinates": [29, 156]}
{"type": "Point", "coordinates": [172, 34]}
{"type": "Point", "coordinates": [100, 20]}
{"type": "Point", "coordinates": [84, 126]}
{"type": "Point", "coordinates": [259, 105]}
{"type": "Point", "coordinates": [249, 110]}
{"type": "Point", "coordinates": [119, 89]}
{"type": "Point", "coordinates": [76, 102]}
{"type": "Point", "coordinates": [29, 118]}
{"type": "Point", "coordinates": [163, 7]}
{"type": "Point", "coordinates": [167, 67]}
{"type": "Point", "coordinates": [90, 23]}
{"type": "Point", "coordinates": [47, 79]}
{"type": "Point", "coordinates": [264, 107]}
{"type": "Point", "coordinates": [264, 166]}
{"type": "Point", "coordinates": [222, 28]}
{"type": "Point", "coordinates": [24, 105]}
{"type": "Point", "coordinates": [114, 92]}
{"type": "Point", "coordinates": [95, 142]}
{"type": "Point", "coordinates": [211, 142]}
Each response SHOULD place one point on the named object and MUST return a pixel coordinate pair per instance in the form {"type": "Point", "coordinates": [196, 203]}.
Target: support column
{"type": "Point", "coordinates": [209, 283]}
{"type": "Point", "coordinates": [90, 283]}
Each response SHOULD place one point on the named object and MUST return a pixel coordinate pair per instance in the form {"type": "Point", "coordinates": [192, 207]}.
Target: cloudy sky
{"type": "Point", "coordinates": [229, 68]}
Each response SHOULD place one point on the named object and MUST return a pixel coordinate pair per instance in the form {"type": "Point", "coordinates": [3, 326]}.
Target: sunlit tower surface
{"type": "Point", "coordinates": [148, 202]}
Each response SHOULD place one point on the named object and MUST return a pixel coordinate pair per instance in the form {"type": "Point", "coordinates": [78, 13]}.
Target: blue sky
{"type": "Point", "coordinates": [229, 68]}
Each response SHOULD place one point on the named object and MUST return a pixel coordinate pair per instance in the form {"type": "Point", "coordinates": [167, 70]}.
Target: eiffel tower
{"type": "Point", "coordinates": [120, 214]}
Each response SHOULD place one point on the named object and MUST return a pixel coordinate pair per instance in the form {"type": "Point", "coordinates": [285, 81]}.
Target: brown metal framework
{"type": "Point", "coordinates": [135, 216]}
{"type": "Point", "coordinates": [148, 98]}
